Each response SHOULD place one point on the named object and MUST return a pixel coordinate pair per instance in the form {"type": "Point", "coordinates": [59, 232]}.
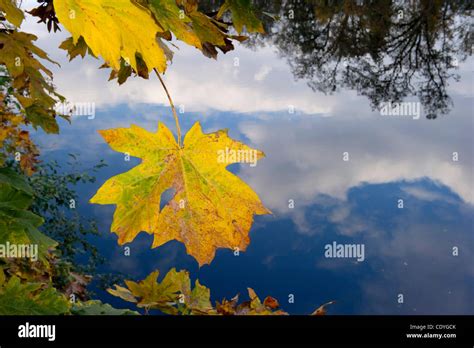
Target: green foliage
{"type": "Point", "coordinates": [19, 225]}
{"type": "Point", "coordinates": [53, 195]}
{"type": "Point", "coordinates": [48, 193]}
{"type": "Point", "coordinates": [95, 307]}
{"type": "Point", "coordinates": [243, 14]}
{"type": "Point", "coordinates": [18, 298]}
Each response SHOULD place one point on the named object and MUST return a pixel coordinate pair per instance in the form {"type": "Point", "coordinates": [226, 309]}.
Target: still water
{"type": "Point", "coordinates": [338, 170]}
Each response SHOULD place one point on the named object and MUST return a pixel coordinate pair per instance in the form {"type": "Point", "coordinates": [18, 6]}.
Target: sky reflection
{"type": "Point", "coordinates": [409, 251]}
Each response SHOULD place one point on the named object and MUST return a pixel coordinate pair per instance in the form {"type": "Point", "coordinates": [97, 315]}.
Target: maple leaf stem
{"type": "Point", "coordinates": [175, 115]}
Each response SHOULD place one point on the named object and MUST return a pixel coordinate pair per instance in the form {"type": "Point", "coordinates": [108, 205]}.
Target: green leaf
{"type": "Point", "coordinates": [151, 294]}
{"type": "Point", "coordinates": [2, 277]}
{"type": "Point", "coordinates": [170, 17]}
{"type": "Point", "coordinates": [39, 116]}
{"type": "Point", "coordinates": [242, 15]}
{"type": "Point", "coordinates": [198, 301]}
{"type": "Point", "coordinates": [75, 49]}
{"type": "Point", "coordinates": [17, 224]}
{"type": "Point", "coordinates": [173, 295]}
{"type": "Point", "coordinates": [10, 177]}
{"type": "Point", "coordinates": [31, 299]}
{"type": "Point", "coordinates": [95, 307]}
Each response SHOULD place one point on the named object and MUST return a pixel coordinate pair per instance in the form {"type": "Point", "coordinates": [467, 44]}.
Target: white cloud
{"type": "Point", "coordinates": [261, 74]}
{"type": "Point", "coordinates": [199, 83]}
{"type": "Point", "coordinates": [424, 194]}
{"type": "Point", "coordinates": [305, 156]}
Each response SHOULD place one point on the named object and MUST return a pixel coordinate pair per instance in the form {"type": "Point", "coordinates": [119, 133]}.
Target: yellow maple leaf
{"type": "Point", "coordinates": [114, 29]}
{"type": "Point", "coordinates": [211, 208]}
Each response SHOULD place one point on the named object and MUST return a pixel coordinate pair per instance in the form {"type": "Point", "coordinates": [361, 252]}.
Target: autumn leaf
{"type": "Point", "coordinates": [196, 300]}
{"type": "Point", "coordinates": [12, 13]}
{"type": "Point", "coordinates": [321, 310]}
{"type": "Point", "coordinates": [110, 29]}
{"type": "Point", "coordinates": [46, 14]}
{"type": "Point", "coordinates": [113, 29]}
{"type": "Point", "coordinates": [173, 295]}
{"type": "Point", "coordinates": [212, 32]}
{"type": "Point", "coordinates": [77, 285]}
{"type": "Point", "coordinates": [226, 307]}
{"type": "Point", "coordinates": [28, 96]}
{"type": "Point", "coordinates": [256, 307]}
{"type": "Point", "coordinates": [148, 293]}
{"type": "Point", "coordinates": [14, 140]}
{"type": "Point", "coordinates": [211, 208]}
{"type": "Point", "coordinates": [253, 307]}
{"type": "Point", "coordinates": [32, 272]}
{"type": "Point", "coordinates": [33, 92]}
{"type": "Point", "coordinates": [74, 49]}
{"type": "Point", "coordinates": [271, 302]}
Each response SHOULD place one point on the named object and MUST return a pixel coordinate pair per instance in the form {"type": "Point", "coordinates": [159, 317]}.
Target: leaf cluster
{"type": "Point", "coordinates": [28, 96]}
{"type": "Point", "coordinates": [110, 29]}
{"type": "Point", "coordinates": [174, 295]}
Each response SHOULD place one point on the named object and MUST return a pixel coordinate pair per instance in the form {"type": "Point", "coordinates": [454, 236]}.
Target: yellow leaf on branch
{"type": "Point", "coordinates": [132, 35]}
{"type": "Point", "coordinates": [211, 208]}
{"type": "Point", "coordinates": [114, 29]}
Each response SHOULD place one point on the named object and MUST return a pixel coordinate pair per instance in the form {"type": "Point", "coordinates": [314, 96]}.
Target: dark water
{"type": "Point", "coordinates": [334, 78]}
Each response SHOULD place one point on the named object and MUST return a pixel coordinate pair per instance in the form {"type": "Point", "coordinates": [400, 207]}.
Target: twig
{"type": "Point", "coordinates": [175, 115]}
